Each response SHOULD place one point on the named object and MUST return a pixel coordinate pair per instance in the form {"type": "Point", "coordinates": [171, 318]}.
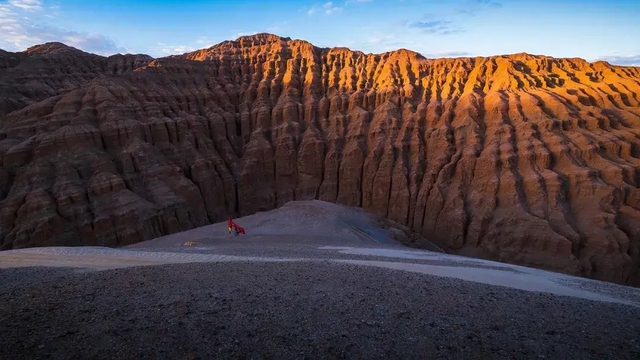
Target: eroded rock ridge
{"type": "Point", "coordinates": [526, 159]}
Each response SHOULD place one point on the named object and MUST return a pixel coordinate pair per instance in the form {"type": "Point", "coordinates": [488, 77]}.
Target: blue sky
{"type": "Point", "coordinates": [588, 29]}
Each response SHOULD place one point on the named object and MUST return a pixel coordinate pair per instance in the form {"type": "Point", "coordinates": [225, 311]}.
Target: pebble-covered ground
{"type": "Point", "coordinates": [283, 310]}
{"type": "Point", "coordinates": [306, 287]}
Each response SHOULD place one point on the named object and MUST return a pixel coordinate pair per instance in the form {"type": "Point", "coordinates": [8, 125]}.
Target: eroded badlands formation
{"type": "Point", "coordinates": [524, 159]}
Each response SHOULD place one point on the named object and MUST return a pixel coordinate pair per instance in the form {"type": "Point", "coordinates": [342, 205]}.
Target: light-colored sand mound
{"type": "Point", "coordinates": [312, 222]}
{"type": "Point", "coordinates": [310, 231]}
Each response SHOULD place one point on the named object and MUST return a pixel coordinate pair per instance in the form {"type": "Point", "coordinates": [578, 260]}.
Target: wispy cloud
{"type": "Point", "coordinates": [448, 21]}
{"type": "Point", "coordinates": [490, 3]}
{"type": "Point", "coordinates": [473, 7]}
{"type": "Point", "coordinates": [380, 41]}
{"type": "Point", "coordinates": [20, 31]}
{"type": "Point", "coordinates": [204, 42]}
{"type": "Point", "coordinates": [423, 35]}
{"type": "Point", "coordinates": [166, 49]}
{"type": "Point", "coordinates": [448, 54]}
{"type": "Point", "coordinates": [633, 60]}
{"type": "Point", "coordinates": [348, 2]}
{"type": "Point", "coordinates": [327, 8]}
{"type": "Point", "coordinates": [436, 27]}
{"type": "Point", "coordinates": [54, 10]}
{"type": "Point", "coordinates": [28, 5]}
{"type": "Point", "coordinates": [402, 39]}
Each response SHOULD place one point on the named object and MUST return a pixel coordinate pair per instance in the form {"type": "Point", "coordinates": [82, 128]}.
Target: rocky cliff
{"type": "Point", "coordinates": [525, 159]}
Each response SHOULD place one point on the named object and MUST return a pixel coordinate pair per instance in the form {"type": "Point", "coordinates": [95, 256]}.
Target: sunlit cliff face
{"type": "Point", "coordinates": [519, 158]}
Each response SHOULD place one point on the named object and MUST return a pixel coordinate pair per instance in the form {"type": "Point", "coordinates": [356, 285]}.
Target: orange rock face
{"type": "Point", "coordinates": [524, 159]}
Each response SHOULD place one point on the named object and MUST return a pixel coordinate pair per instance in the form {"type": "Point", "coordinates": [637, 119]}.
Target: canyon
{"type": "Point", "coordinates": [524, 159]}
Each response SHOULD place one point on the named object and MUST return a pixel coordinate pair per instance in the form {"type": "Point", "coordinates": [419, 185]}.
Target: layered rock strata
{"type": "Point", "coordinates": [525, 159]}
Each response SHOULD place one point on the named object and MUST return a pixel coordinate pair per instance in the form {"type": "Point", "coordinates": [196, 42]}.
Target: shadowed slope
{"type": "Point", "coordinates": [519, 158]}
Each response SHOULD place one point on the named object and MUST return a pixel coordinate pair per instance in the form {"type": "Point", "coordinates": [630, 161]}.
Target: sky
{"type": "Point", "coordinates": [590, 29]}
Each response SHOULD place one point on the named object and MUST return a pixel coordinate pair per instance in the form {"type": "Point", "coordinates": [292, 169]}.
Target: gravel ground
{"type": "Point", "coordinates": [228, 307]}
{"type": "Point", "coordinates": [17, 278]}
{"type": "Point", "coordinates": [296, 310]}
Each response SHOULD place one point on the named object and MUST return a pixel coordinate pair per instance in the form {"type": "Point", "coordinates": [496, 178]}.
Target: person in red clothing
{"type": "Point", "coordinates": [233, 226]}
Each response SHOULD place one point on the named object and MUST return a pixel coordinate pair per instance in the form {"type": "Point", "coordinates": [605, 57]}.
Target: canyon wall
{"type": "Point", "coordinates": [525, 159]}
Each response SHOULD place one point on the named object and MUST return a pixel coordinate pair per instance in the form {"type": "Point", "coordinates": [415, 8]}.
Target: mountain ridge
{"type": "Point", "coordinates": [522, 159]}
{"type": "Point", "coordinates": [259, 36]}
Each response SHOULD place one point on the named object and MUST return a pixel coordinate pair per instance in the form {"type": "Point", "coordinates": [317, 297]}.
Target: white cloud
{"type": "Point", "coordinates": [29, 5]}
{"type": "Point", "coordinates": [175, 49]}
{"type": "Point", "coordinates": [329, 8]}
{"type": "Point", "coordinates": [383, 38]}
{"type": "Point", "coordinates": [18, 32]}
{"type": "Point", "coordinates": [204, 42]}
{"type": "Point", "coordinates": [54, 11]}
{"type": "Point", "coordinates": [632, 60]}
